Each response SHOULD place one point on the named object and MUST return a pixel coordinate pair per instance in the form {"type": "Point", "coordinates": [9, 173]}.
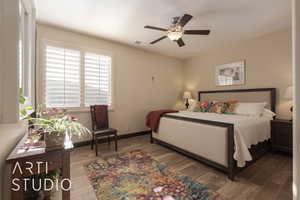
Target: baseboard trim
{"type": "Point", "coordinates": [120, 137]}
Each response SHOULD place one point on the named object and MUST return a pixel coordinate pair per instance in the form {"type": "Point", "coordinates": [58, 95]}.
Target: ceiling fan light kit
{"type": "Point", "coordinates": [175, 31]}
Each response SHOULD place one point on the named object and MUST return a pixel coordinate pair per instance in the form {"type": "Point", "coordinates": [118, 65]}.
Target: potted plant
{"type": "Point", "coordinates": [56, 126]}
{"type": "Point", "coordinates": [24, 110]}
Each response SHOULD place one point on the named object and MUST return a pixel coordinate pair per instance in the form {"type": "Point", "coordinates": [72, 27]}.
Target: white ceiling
{"type": "Point", "coordinates": [123, 20]}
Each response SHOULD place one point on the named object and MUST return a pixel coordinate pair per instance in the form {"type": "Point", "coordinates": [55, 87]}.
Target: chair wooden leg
{"type": "Point", "coordinates": [93, 140]}
{"type": "Point", "coordinates": [151, 138]}
{"type": "Point", "coordinates": [96, 146]}
{"type": "Point", "coordinates": [116, 142]}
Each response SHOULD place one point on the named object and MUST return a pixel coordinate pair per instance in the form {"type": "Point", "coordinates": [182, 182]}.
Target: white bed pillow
{"type": "Point", "coordinates": [250, 109]}
{"type": "Point", "coordinates": [268, 113]}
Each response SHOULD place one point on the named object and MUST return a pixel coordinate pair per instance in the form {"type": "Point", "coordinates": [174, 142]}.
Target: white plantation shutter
{"type": "Point", "coordinates": [62, 77]}
{"type": "Point", "coordinates": [97, 79]}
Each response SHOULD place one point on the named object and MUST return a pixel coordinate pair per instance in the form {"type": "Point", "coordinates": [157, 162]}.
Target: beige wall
{"type": "Point", "coordinates": [1, 56]}
{"type": "Point", "coordinates": [9, 62]}
{"type": "Point", "coordinates": [296, 82]}
{"type": "Point", "coordinates": [134, 92]}
{"type": "Point", "coordinates": [268, 64]}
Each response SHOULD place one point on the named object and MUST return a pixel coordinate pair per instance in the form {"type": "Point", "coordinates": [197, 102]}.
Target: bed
{"type": "Point", "coordinates": [228, 143]}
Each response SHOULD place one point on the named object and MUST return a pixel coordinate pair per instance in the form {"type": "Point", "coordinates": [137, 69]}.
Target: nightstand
{"type": "Point", "coordinates": [282, 135]}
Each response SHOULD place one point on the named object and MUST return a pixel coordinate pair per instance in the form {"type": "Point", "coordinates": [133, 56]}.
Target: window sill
{"type": "Point", "coordinates": [84, 110]}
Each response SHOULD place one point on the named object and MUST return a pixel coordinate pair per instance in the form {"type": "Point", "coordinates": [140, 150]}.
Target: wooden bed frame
{"type": "Point", "coordinates": [256, 150]}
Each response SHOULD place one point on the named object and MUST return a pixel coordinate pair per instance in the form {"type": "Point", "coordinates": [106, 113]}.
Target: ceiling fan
{"type": "Point", "coordinates": [175, 31]}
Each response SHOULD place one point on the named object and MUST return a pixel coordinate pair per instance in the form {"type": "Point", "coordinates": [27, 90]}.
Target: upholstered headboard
{"type": "Point", "coordinates": [267, 95]}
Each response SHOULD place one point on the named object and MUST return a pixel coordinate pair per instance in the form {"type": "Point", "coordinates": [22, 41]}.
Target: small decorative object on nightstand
{"type": "Point", "coordinates": [282, 135]}
{"type": "Point", "coordinates": [187, 95]}
{"type": "Point", "coordinates": [289, 96]}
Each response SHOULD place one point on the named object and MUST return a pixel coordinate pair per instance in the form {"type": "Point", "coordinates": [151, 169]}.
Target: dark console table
{"type": "Point", "coordinates": [37, 154]}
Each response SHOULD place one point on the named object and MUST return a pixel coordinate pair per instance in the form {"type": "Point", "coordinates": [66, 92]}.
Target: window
{"type": "Point", "coordinates": [62, 78]}
{"type": "Point", "coordinates": [76, 78]}
{"type": "Point", "coordinates": [97, 79]}
{"type": "Point", "coordinates": [26, 53]}
{"type": "Point", "coordinates": [26, 41]}
{"type": "Point", "coordinates": [22, 36]}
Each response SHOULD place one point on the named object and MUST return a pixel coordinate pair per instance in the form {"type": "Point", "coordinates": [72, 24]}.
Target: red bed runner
{"type": "Point", "coordinates": [153, 118]}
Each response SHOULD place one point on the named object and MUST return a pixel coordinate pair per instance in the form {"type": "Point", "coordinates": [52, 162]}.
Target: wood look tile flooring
{"type": "Point", "coordinates": [270, 178]}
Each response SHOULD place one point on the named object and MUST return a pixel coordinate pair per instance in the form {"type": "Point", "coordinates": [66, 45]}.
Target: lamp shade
{"type": "Point", "coordinates": [289, 93]}
{"type": "Point", "coordinates": [187, 95]}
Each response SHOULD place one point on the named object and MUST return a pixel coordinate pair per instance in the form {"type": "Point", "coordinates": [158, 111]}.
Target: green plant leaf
{"type": "Point", "coordinates": [22, 99]}
{"type": "Point", "coordinates": [29, 108]}
{"type": "Point", "coordinates": [23, 112]}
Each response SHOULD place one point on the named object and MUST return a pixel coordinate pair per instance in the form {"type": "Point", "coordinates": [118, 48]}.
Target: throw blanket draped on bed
{"type": "Point", "coordinates": [153, 118]}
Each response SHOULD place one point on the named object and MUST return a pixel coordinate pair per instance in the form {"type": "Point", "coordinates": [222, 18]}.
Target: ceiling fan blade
{"type": "Point", "coordinates": [180, 42]}
{"type": "Point", "coordinates": [159, 39]}
{"type": "Point", "coordinates": [197, 32]}
{"type": "Point", "coordinates": [155, 28]}
{"type": "Point", "coordinates": [185, 19]}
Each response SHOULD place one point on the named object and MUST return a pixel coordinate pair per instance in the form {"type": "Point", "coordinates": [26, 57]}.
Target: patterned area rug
{"type": "Point", "coordinates": [136, 176]}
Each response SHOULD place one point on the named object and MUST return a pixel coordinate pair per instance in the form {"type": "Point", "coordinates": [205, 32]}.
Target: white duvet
{"type": "Point", "coordinates": [247, 131]}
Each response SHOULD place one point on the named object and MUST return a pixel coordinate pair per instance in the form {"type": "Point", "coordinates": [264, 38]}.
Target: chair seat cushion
{"type": "Point", "coordinates": [104, 132]}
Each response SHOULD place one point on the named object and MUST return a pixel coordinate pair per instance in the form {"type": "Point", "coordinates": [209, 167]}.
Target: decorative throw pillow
{"type": "Point", "coordinates": [229, 107]}
{"type": "Point", "coordinates": [217, 107]}
{"type": "Point", "coordinates": [203, 106]}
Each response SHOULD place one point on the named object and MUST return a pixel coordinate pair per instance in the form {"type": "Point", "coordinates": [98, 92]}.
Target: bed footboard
{"type": "Point", "coordinates": [231, 168]}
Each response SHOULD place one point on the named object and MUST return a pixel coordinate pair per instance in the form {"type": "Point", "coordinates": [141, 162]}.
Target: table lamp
{"type": "Point", "coordinates": [187, 95]}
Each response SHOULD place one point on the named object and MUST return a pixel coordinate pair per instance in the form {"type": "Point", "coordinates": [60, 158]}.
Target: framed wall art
{"type": "Point", "coordinates": [230, 74]}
